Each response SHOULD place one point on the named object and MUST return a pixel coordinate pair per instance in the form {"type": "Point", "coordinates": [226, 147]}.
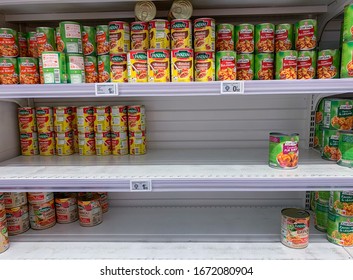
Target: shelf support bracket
{"type": "Point", "coordinates": [19, 102]}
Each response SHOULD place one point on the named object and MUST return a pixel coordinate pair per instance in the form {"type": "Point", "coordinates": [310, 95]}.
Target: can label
{"type": "Point", "coordinates": [91, 69]}
{"type": "Point", "coordinates": [13, 199]}
{"type": "Point", "coordinates": [244, 38]}
{"type": "Point", "coordinates": [347, 60]}
{"type": "Point", "coordinates": [306, 35]}
{"type": "Point", "coordinates": [103, 143]}
{"type": "Point", "coordinates": [41, 73]}
{"type": "Point", "coordinates": [85, 119]}
{"type": "Point", "coordinates": [318, 137]}
{"type": "Point", "coordinates": [28, 68]}
{"type": "Point", "coordinates": [54, 68]}
{"type": "Point", "coordinates": [119, 37]}
{"type": "Point", "coordinates": [26, 119]}
{"type": "Point", "coordinates": [284, 151]}
{"type": "Point", "coordinates": [265, 38]}
{"type": "Point", "coordinates": [29, 144]}
{"type": "Point", "coordinates": [345, 149]}
{"type": "Point", "coordinates": [225, 37]}
{"type": "Point", "coordinates": [102, 39]}
{"type": "Point", "coordinates": [71, 35]}
{"type": "Point", "coordinates": [136, 118]}
{"type": "Point", "coordinates": [45, 40]}
{"type": "Point", "coordinates": [119, 118]}
{"type": "Point", "coordinates": [75, 68]}
{"type": "Point", "coordinates": [73, 117]}
{"type": "Point", "coordinates": [89, 210]}
{"type": "Point", "coordinates": [321, 213]}
{"type": "Point", "coordinates": [40, 197]}
{"type": "Point", "coordinates": [64, 143]}
{"type": "Point", "coordinates": [159, 34]}
{"type": "Point", "coordinates": [306, 65]}
{"type": "Point", "coordinates": [103, 200]}
{"type": "Point", "coordinates": [120, 143]}
{"type": "Point", "coordinates": [89, 40]}
{"type": "Point", "coordinates": [341, 203]}
{"type": "Point", "coordinates": [8, 43]}
{"type": "Point", "coordinates": [17, 219]}
{"type": "Point", "coordinates": [328, 62]}
{"type": "Point", "coordinates": [286, 65]}
{"type": "Point", "coordinates": [22, 43]}
{"type": "Point", "coordinates": [204, 34]}
{"type": "Point", "coordinates": [62, 119]}
{"type": "Point", "coordinates": [46, 144]}
{"type": "Point", "coordinates": [245, 66]}
{"type": "Point", "coordinates": [182, 65]}
{"type": "Point", "coordinates": [284, 37]}
{"type": "Point", "coordinates": [330, 144]}
{"type": "Point", "coordinates": [338, 114]}
{"type": "Point", "coordinates": [118, 68]}
{"type": "Point", "coordinates": [137, 142]}
{"type": "Point", "coordinates": [4, 236]}
{"type": "Point", "coordinates": [42, 216]}
{"type": "Point", "coordinates": [66, 208]}
{"type": "Point", "coordinates": [86, 144]}
{"type": "Point", "coordinates": [181, 34]}
{"type": "Point", "coordinates": [103, 68]}
{"type": "Point", "coordinates": [347, 26]}
{"type": "Point", "coordinates": [32, 44]}
{"type": "Point", "coordinates": [102, 119]}
{"type": "Point", "coordinates": [340, 229]}
{"type": "Point", "coordinates": [139, 36]}
{"type": "Point", "coordinates": [226, 66]}
{"type": "Point", "coordinates": [9, 74]}
{"type": "Point", "coordinates": [2, 207]}
{"type": "Point", "coordinates": [204, 66]}
{"type": "Point", "coordinates": [264, 66]}
{"type": "Point", "coordinates": [137, 66]}
{"type": "Point", "coordinates": [158, 65]}
{"type": "Point", "coordinates": [59, 43]}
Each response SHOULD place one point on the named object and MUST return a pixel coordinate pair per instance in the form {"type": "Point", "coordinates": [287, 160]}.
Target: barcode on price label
{"type": "Point", "coordinates": [107, 89]}
{"type": "Point", "coordinates": [143, 185]}
{"type": "Point", "coordinates": [232, 87]}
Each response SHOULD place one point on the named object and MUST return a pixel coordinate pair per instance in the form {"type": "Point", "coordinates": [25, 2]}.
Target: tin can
{"type": "Point", "coordinates": [85, 119]}
{"type": "Point", "coordinates": [318, 137]}
{"type": "Point", "coordinates": [345, 148]}
{"type": "Point", "coordinates": [41, 73]}
{"type": "Point", "coordinates": [340, 229]}
{"type": "Point", "coordinates": [284, 37]}
{"type": "Point", "coordinates": [145, 10]}
{"type": "Point", "coordinates": [284, 150]}
{"type": "Point", "coordinates": [330, 144]}
{"type": "Point", "coordinates": [103, 68]}
{"type": "Point", "coordinates": [119, 118]}
{"type": "Point", "coordinates": [264, 66]}
{"type": "Point", "coordinates": [347, 26]}
{"type": "Point", "coordinates": [28, 69]}
{"type": "Point", "coordinates": [102, 39]}
{"type": "Point", "coordinates": [2, 207]}
{"type": "Point", "coordinates": [322, 196]}
{"type": "Point", "coordinates": [73, 117]}
{"type": "Point", "coordinates": [62, 119]}
{"type": "Point", "coordinates": [22, 44]}
{"type": "Point", "coordinates": [46, 142]}
{"type": "Point", "coordinates": [295, 228]}
{"type": "Point", "coordinates": [137, 142]}
{"type": "Point", "coordinates": [182, 65]}
{"type": "Point", "coordinates": [29, 144]}
{"type": "Point", "coordinates": [75, 68]}
{"type": "Point", "coordinates": [9, 74]}
{"type": "Point", "coordinates": [137, 66]}
{"type": "Point", "coordinates": [54, 68]}
{"type": "Point", "coordinates": [159, 34]}
{"type": "Point", "coordinates": [224, 37]}
{"type": "Point", "coordinates": [286, 65]}
{"type": "Point", "coordinates": [89, 210]}
{"type": "Point", "coordinates": [204, 66]}
{"type": "Point", "coordinates": [204, 34]}
{"type": "Point", "coordinates": [319, 114]}
{"type": "Point", "coordinates": [306, 65]}
{"type": "Point", "coordinates": [103, 143]}
{"type": "Point", "coordinates": [8, 43]}
{"type": "Point", "coordinates": [347, 60]}
{"type": "Point", "coordinates": [91, 69]}
{"type": "Point", "coordinates": [328, 62]}
{"type": "Point", "coordinates": [71, 35]}
{"type": "Point", "coordinates": [66, 208]}
{"type": "Point", "coordinates": [64, 143]}
{"type": "Point", "coordinates": [87, 144]}
{"type": "Point", "coordinates": [226, 66]}
{"type": "Point", "coordinates": [136, 117]}
{"type": "Point", "coordinates": [338, 114]}
{"type": "Point", "coordinates": [139, 35]}
{"type": "Point", "coordinates": [119, 37]}
{"type": "Point", "coordinates": [244, 38]}
{"type": "Point", "coordinates": [341, 203]}
{"type": "Point", "coordinates": [158, 65]}
{"type": "Point", "coordinates": [17, 219]}
{"type": "Point", "coordinates": [45, 39]}
{"type": "Point", "coordinates": [245, 66]}
{"type": "Point", "coordinates": [59, 42]}
{"type": "Point", "coordinates": [120, 143]}
{"type": "Point", "coordinates": [306, 35]}
{"type": "Point", "coordinates": [181, 9]}
{"type": "Point", "coordinates": [26, 119]}
{"type": "Point", "coordinates": [181, 34]}
{"type": "Point", "coordinates": [103, 199]}
{"type": "Point", "coordinates": [102, 119]}
{"type": "Point", "coordinates": [4, 236]}
{"type": "Point", "coordinates": [265, 38]}
{"type": "Point", "coordinates": [42, 216]}
{"type": "Point", "coordinates": [76, 148]}
{"type": "Point", "coordinates": [89, 40]}
{"type": "Point", "coordinates": [321, 213]}
{"type": "Point", "coordinates": [39, 197]}
{"type": "Point", "coordinates": [32, 44]}
{"type": "Point", "coordinates": [118, 68]}
{"type": "Point", "coordinates": [15, 199]}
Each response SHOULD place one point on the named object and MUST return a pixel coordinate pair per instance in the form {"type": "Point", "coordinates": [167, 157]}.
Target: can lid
{"type": "Point", "coordinates": [295, 213]}
{"type": "Point", "coordinates": [145, 10]}
{"type": "Point", "coordinates": [181, 9]}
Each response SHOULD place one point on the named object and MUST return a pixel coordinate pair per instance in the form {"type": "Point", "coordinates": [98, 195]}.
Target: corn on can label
{"type": "Point", "coordinates": [283, 150]}
{"type": "Point", "coordinates": [9, 74]}
{"type": "Point", "coordinates": [159, 34]}
{"type": "Point", "coordinates": [89, 40]}
{"type": "Point", "coordinates": [182, 65]}
{"type": "Point", "coordinates": [17, 219]}
{"type": "Point", "coordinates": [29, 144]}
{"type": "Point", "coordinates": [75, 68]}
{"type": "Point", "coordinates": [244, 38]}
{"type": "Point", "coordinates": [40, 197]}
{"type": "Point", "coordinates": [13, 199]}
{"type": "Point", "coordinates": [28, 69]}
{"type": "Point", "coordinates": [286, 65]}
{"type": "Point", "coordinates": [284, 37]}
{"type": "Point", "coordinates": [204, 34]}
{"type": "Point", "coordinates": [45, 39]}
{"type": "Point", "coordinates": [64, 143]}
{"type": "Point", "coordinates": [224, 37]}
{"type": "Point", "coordinates": [265, 38]}
{"type": "Point", "coordinates": [91, 69]}
{"type": "Point", "coordinates": [62, 119]}
{"type": "Point", "coordinates": [120, 143]}
{"type": "Point", "coordinates": [4, 236]}
{"type": "Point", "coordinates": [347, 26]}
{"type": "Point", "coordinates": [54, 68]}
{"type": "Point", "coordinates": [59, 43]}
{"type": "Point", "coordinates": [89, 210]}
{"type": "Point", "coordinates": [181, 34]}
{"type": "Point", "coordinates": [119, 118]}
{"type": "Point", "coordinates": [42, 216]}
{"type": "Point", "coordinates": [341, 203]}
{"type": "Point", "coordinates": [119, 37]}
{"type": "Point", "coordinates": [87, 144]}
{"type": "Point", "coordinates": [103, 200]}
{"type": "Point", "coordinates": [8, 43]}
{"type": "Point", "coordinates": [347, 60]}
{"type": "Point", "coordinates": [158, 65]}
{"type": "Point", "coordinates": [306, 65]}
{"type": "Point", "coordinates": [102, 39]}
{"type": "Point", "coordinates": [66, 208]}
{"type": "Point", "coordinates": [264, 66]}
{"type": "Point", "coordinates": [102, 119]}
{"type": "Point", "coordinates": [137, 66]}
{"type": "Point", "coordinates": [245, 66]}
{"type": "Point", "coordinates": [46, 144]}
{"type": "Point", "coordinates": [118, 68]}
{"type": "Point", "coordinates": [328, 62]}
{"type": "Point", "coordinates": [136, 118]}
{"type": "Point", "coordinates": [345, 148]}
{"type": "Point", "coordinates": [340, 229]}
{"type": "Point", "coordinates": [306, 35]}
{"type": "Point", "coordinates": [330, 145]}
{"type": "Point", "coordinates": [26, 119]}
{"type": "Point", "coordinates": [139, 36]}
{"type": "Point", "coordinates": [204, 66]}
{"type": "Point", "coordinates": [103, 68]}
{"type": "Point", "coordinates": [103, 143]}
{"type": "Point", "coordinates": [85, 119]}
{"type": "Point", "coordinates": [338, 114]}
{"type": "Point", "coordinates": [22, 44]}
{"type": "Point", "coordinates": [32, 44]}
{"type": "Point", "coordinates": [226, 66]}
{"type": "Point", "coordinates": [71, 35]}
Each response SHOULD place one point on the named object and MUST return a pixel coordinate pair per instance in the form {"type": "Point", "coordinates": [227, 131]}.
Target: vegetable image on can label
{"type": "Point", "coordinates": [8, 43]}
{"type": "Point", "coordinates": [9, 74]}
{"type": "Point", "coordinates": [204, 34]}
{"type": "Point", "coordinates": [102, 39]}
{"type": "Point", "coordinates": [224, 37]}
{"type": "Point", "coordinates": [305, 35]}
{"type": "Point", "coordinates": [264, 66]}
{"type": "Point", "coordinates": [45, 39]}
{"type": "Point", "coordinates": [306, 65]}
{"type": "Point", "coordinates": [158, 65]}
{"type": "Point", "coordinates": [284, 37]}
{"type": "Point", "coordinates": [139, 35]}
{"type": "Point", "coordinates": [244, 38]}
{"type": "Point", "coordinates": [118, 68]}
{"type": "Point", "coordinates": [91, 69]}
{"type": "Point", "coordinates": [119, 37]}
{"type": "Point", "coordinates": [286, 65]}
{"type": "Point", "coordinates": [328, 64]}
{"type": "Point", "coordinates": [245, 66]}
{"type": "Point", "coordinates": [89, 40]}
{"type": "Point", "coordinates": [265, 38]}
{"type": "Point", "coordinates": [338, 114]}
{"type": "Point", "coordinates": [28, 68]}
{"type": "Point", "coordinates": [283, 150]}
{"type": "Point", "coordinates": [226, 66]}
{"type": "Point", "coordinates": [181, 37]}
{"type": "Point", "coordinates": [330, 149]}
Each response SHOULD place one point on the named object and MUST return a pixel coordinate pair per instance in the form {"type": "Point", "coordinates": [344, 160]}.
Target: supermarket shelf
{"type": "Point", "coordinates": [173, 170]}
{"type": "Point", "coordinates": [327, 87]}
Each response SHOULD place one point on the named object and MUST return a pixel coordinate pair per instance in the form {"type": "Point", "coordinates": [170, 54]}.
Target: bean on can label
{"type": "Point", "coordinates": [347, 60]}
{"type": "Point", "coordinates": [284, 150]}
{"type": "Point", "coordinates": [328, 62]}
{"type": "Point", "coordinates": [136, 118]}
{"type": "Point", "coordinates": [338, 114]}
{"type": "Point", "coordinates": [8, 43]}
{"type": "Point", "coordinates": [306, 35]}
{"type": "Point", "coordinates": [181, 34]}
{"type": "Point", "coordinates": [245, 66]}
{"type": "Point", "coordinates": [182, 65]}
{"type": "Point", "coordinates": [265, 38]}
{"type": "Point", "coordinates": [264, 66]}
{"type": "Point", "coordinates": [118, 68]}
{"type": "Point", "coordinates": [119, 37]}
{"type": "Point", "coordinates": [284, 37]}
{"type": "Point", "coordinates": [306, 65]}
{"type": "Point", "coordinates": [139, 36]}
{"type": "Point", "coordinates": [204, 34]}
{"type": "Point", "coordinates": [9, 73]}
{"type": "Point", "coordinates": [4, 236]}
{"type": "Point", "coordinates": [28, 69]}
{"type": "Point", "coordinates": [32, 44]}
{"type": "Point", "coordinates": [244, 38]}
{"type": "Point", "coordinates": [226, 66]}
{"type": "Point", "coordinates": [22, 44]}
{"type": "Point", "coordinates": [137, 66]}
{"type": "Point", "coordinates": [224, 37]}
{"type": "Point", "coordinates": [347, 25]}
{"type": "Point", "coordinates": [286, 65]}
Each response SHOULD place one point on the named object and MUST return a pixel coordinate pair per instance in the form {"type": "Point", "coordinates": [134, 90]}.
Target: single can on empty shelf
{"type": "Point", "coordinates": [284, 150]}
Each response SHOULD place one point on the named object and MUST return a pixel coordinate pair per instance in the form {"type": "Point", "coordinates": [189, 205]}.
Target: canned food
{"type": "Point", "coordinates": [102, 39]}
{"type": "Point", "coordinates": [89, 40]}
{"type": "Point", "coordinates": [62, 119]}
{"type": "Point", "coordinates": [204, 34]}
{"type": "Point", "coordinates": [26, 119]}
{"type": "Point", "coordinates": [29, 144]}
{"type": "Point", "coordinates": [119, 118]}
{"type": "Point", "coordinates": [66, 208]}
{"type": "Point", "coordinates": [136, 117]}
{"type": "Point", "coordinates": [137, 142]}
{"type": "Point", "coordinates": [4, 236]}
{"type": "Point", "coordinates": [87, 144]}
{"type": "Point", "coordinates": [28, 69]}
{"type": "Point", "coordinates": [22, 44]}
{"type": "Point", "coordinates": [204, 66]}
{"type": "Point", "coordinates": [158, 65]}
{"type": "Point", "coordinates": [295, 228]}
{"type": "Point", "coordinates": [347, 60]}
{"type": "Point", "coordinates": [54, 68]}
{"type": "Point", "coordinates": [286, 65]}
{"type": "Point", "coordinates": [85, 119]}
{"type": "Point", "coordinates": [75, 68]}
{"type": "Point", "coordinates": [328, 62]}
{"type": "Point", "coordinates": [284, 37]}
{"type": "Point", "coordinates": [265, 38]}
{"type": "Point", "coordinates": [226, 66]}
{"type": "Point", "coordinates": [45, 39]}
{"type": "Point", "coordinates": [145, 10]}
{"type": "Point", "coordinates": [345, 148]}
{"type": "Point", "coordinates": [46, 143]}
{"type": "Point", "coordinates": [89, 210]}
{"type": "Point", "coordinates": [45, 119]}
{"type": "Point", "coordinates": [330, 144]}
{"type": "Point", "coordinates": [91, 69]}
{"type": "Point", "coordinates": [42, 216]}
{"type": "Point", "coordinates": [15, 199]}
{"type": "Point", "coordinates": [224, 37]}
{"type": "Point", "coordinates": [103, 199]}
{"type": "Point", "coordinates": [103, 68]}
{"type": "Point", "coordinates": [319, 114]}
{"type": "Point", "coordinates": [2, 207]}
{"type": "Point", "coordinates": [41, 73]}
{"type": "Point", "coordinates": [76, 148]}
{"type": "Point", "coordinates": [102, 118]}
{"type": "Point", "coordinates": [119, 37]}
{"type": "Point", "coordinates": [338, 114]}
{"type": "Point", "coordinates": [139, 35]}
{"type": "Point", "coordinates": [341, 203]}
{"type": "Point", "coordinates": [17, 219]}
{"type": "Point", "coordinates": [264, 66]}
{"type": "Point", "coordinates": [284, 150]}
{"type": "Point", "coordinates": [181, 34]}
{"type": "Point", "coordinates": [245, 66]}
{"type": "Point", "coordinates": [306, 35]}
{"type": "Point", "coordinates": [71, 35]}
{"type": "Point", "coordinates": [120, 143]}
{"type": "Point", "coordinates": [59, 43]}
{"type": "Point", "coordinates": [306, 65]}
{"type": "Point", "coordinates": [8, 43]}
{"type": "Point", "coordinates": [64, 143]}
{"type": "Point", "coordinates": [321, 213]}
{"type": "Point", "coordinates": [244, 38]}
{"type": "Point", "coordinates": [39, 197]}
{"type": "Point", "coordinates": [340, 229]}
{"type": "Point", "coordinates": [137, 66]}
{"type": "Point", "coordinates": [103, 143]}
{"type": "Point", "coordinates": [73, 117]}
{"type": "Point", "coordinates": [182, 65]}
{"type": "Point", "coordinates": [347, 25]}
{"type": "Point", "coordinates": [318, 137]}
{"type": "Point", "coordinates": [322, 196]}
{"type": "Point", "coordinates": [181, 9]}
{"type": "Point", "coordinates": [118, 68]}
{"type": "Point", "coordinates": [9, 74]}
{"type": "Point", "coordinates": [32, 44]}
{"type": "Point", "coordinates": [159, 34]}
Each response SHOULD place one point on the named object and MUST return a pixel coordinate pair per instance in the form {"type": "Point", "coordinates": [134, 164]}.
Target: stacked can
{"type": "Point", "coordinates": [64, 134]}
{"type": "Point", "coordinates": [119, 130]}
{"type": "Point", "coordinates": [103, 199]}
{"type": "Point", "coordinates": [41, 210]}
{"type": "Point", "coordinates": [4, 236]}
{"type": "Point", "coordinates": [45, 128]}
{"type": "Point", "coordinates": [28, 131]}
{"type": "Point", "coordinates": [89, 209]}
{"type": "Point", "coordinates": [137, 129]}
{"type": "Point", "coordinates": [244, 45]}
{"type": "Point", "coordinates": [264, 48]}
{"type": "Point", "coordinates": [284, 37]}
{"type": "Point", "coordinates": [66, 208]}
{"type": "Point", "coordinates": [9, 52]}
{"type": "Point", "coordinates": [321, 208]}
{"type": "Point", "coordinates": [347, 43]}
{"type": "Point", "coordinates": [90, 54]}
{"type": "Point", "coordinates": [102, 129]}
{"type": "Point", "coordinates": [85, 128]}
{"type": "Point", "coordinates": [16, 212]}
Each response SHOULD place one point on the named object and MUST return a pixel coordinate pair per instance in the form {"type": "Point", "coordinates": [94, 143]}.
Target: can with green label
{"type": "Point", "coordinates": [330, 144]}
{"type": "Point", "coordinates": [328, 63]}
{"type": "Point", "coordinates": [22, 44]}
{"type": "Point", "coordinates": [341, 203]}
{"type": "Point", "coordinates": [284, 37]}
{"type": "Point", "coordinates": [322, 197]}
{"type": "Point", "coordinates": [71, 35]}
{"type": "Point", "coordinates": [264, 66]}
{"type": "Point", "coordinates": [91, 69]}
{"type": "Point", "coordinates": [321, 213]}
{"type": "Point", "coordinates": [338, 114]}
{"type": "Point", "coordinates": [319, 114]}
{"type": "Point", "coordinates": [265, 38]}
{"type": "Point", "coordinates": [45, 39]}
{"type": "Point", "coordinates": [103, 68]}
{"type": "Point", "coordinates": [89, 40]}
{"type": "Point", "coordinates": [340, 229]}
{"type": "Point", "coordinates": [244, 38]}
{"type": "Point", "coordinates": [28, 70]}
{"type": "Point", "coordinates": [347, 60]}
{"type": "Point", "coordinates": [9, 74]}
{"type": "Point", "coordinates": [286, 65]}
{"type": "Point", "coordinates": [226, 66]}
{"type": "Point", "coordinates": [224, 37]}
{"type": "Point", "coordinates": [284, 150]}
{"type": "Point", "coordinates": [32, 44]}
{"type": "Point", "coordinates": [8, 43]}
{"type": "Point", "coordinates": [347, 30]}
{"type": "Point", "coordinates": [306, 35]}
{"type": "Point", "coordinates": [75, 66]}
{"type": "Point", "coordinates": [312, 201]}
{"type": "Point", "coordinates": [318, 137]}
{"type": "Point", "coordinates": [306, 65]}
{"type": "Point", "coordinates": [102, 39]}
{"type": "Point", "coordinates": [245, 66]}
{"type": "Point", "coordinates": [54, 67]}
{"type": "Point", "coordinates": [345, 148]}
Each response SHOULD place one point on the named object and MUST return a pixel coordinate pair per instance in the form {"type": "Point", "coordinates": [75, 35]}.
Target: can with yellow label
{"type": "Point", "coordinates": [85, 119]}
{"type": "Point", "coordinates": [158, 65]}
{"type": "Point", "coordinates": [46, 143]}
{"type": "Point", "coordinates": [119, 118]}
{"type": "Point", "coordinates": [204, 34]}
{"type": "Point", "coordinates": [120, 143]}
{"type": "Point", "coordinates": [102, 119]}
{"type": "Point", "coordinates": [182, 65]}
{"type": "Point", "coordinates": [29, 144]}
{"type": "Point", "coordinates": [87, 144]}
{"type": "Point", "coordinates": [103, 143]}
{"type": "Point", "coordinates": [204, 66]}
{"type": "Point", "coordinates": [64, 143]}
{"type": "Point", "coordinates": [62, 119]}
{"type": "Point", "coordinates": [118, 68]}
{"type": "Point", "coordinates": [139, 35]}
{"type": "Point", "coordinates": [181, 34]}
{"type": "Point", "coordinates": [119, 37]}
{"type": "Point", "coordinates": [137, 142]}
{"type": "Point", "coordinates": [159, 34]}
{"type": "Point", "coordinates": [137, 66]}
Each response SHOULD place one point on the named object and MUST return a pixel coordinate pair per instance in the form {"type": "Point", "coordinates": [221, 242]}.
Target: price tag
{"type": "Point", "coordinates": [107, 89]}
{"type": "Point", "coordinates": [141, 185]}
{"type": "Point", "coordinates": [232, 87]}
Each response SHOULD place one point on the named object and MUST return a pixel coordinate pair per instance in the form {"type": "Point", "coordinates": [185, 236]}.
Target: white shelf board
{"type": "Point", "coordinates": [173, 170]}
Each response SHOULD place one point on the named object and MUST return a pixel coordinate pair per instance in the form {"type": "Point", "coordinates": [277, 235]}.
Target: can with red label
{"type": "Point", "coordinates": [89, 40]}
{"type": "Point", "coordinates": [204, 34]}
{"type": "Point", "coordinates": [62, 119]}
{"type": "Point", "coordinates": [26, 119]}
{"type": "Point", "coordinates": [46, 142]}
{"type": "Point", "coordinates": [306, 65]}
{"type": "Point", "coordinates": [87, 144]}
{"type": "Point", "coordinates": [244, 38]}
{"type": "Point", "coordinates": [29, 144]}
{"type": "Point", "coordinates": [137, 66]}
{"type": "Point", "coordinates": [85, 119]}
{"type": "Point", "coordinates": [158, 65]}
{"type": "Point", "coordinates": [39, 197]}
{"type": "Point", "coordinates": [32, 44]}
{"type": "Point", "coordinates": [102, 39]}
{"type": "Point", "coordinates": [4, 236]}
{"type": "Point", "coordinates": [205, 66]}
{"type": "Point", "coordinates": [102, 119]}
{"type": "Point", "coordinates": [245, 66]}
{"type": "Point", "coordinates": [17, 219]}
{"type": "Point", "coordinates": [119, 118]}
{"type": "Point", "coordinates": [159, 34]}
{"type": "Point", "coordinates": [45, 119]}
{"type": "Point", "coordinates": [15, 199]}
{"type": "Point", "coordinates": [45, 39]}
{"type": "Point", "coordinates": [120, 143]}
{"type": "Point", "coordinates": [136, 118]}
{"type": "Point", "coordinates": [22, 43]}
{"type": "Point", "coordinates": [9, 73]}
{"type": "Point", "coordinates": [139, 35]}
{"type": "Point", "coordinates": [42, 215]}
{"type": "Point", "coordinates": [118, 68]}
{"type": "Point", "coordinates": [119, 37]}
{"type": "Point", "coordinates": [181, 34]}
{"type": "Point", "coordinates": [182, 65]}
{"type": "Point", "coordinates": [8, 43]}
{"type": "Point", "coordinates": [103, 68]}
{"type": "Point", "coordinates": [226, 66]}
{"type": "Point", "coordinates": [89, 210]}
{"type": "Point", "coordinates": [66, 208]}
{"type": "Point", "coordinates": [103, 199]}
{"type": "Point", "coordinates": [103, 143]}
{"type": "Point", "coordinates": [137, 142]}
{"type": "Point", "coordinates": [91, 69]}
{"type": "Point", "coordinates": [225, 37]}
{"type": "Point", "coordinates": [64, 143]}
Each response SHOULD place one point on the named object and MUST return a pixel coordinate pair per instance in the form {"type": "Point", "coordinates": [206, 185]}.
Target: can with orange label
{"type": "Point", "coordinates": [29, 144]}
{"type": "Point", "coordinates": [182, 65]}
{"type": "Point", "coordinates": [204, 34]}
{"type": "Point", "coordinates": [87, 144]}
{"type": "Point", "coordinates": [39, 197]}
{"type": "Point", "coordinates": [89, 210]}
{"type": "Point", "coordinates": [118, 68]}
{"type": "Point", "coordinates": [159, 34]}
{"type": "Point", "coordinates": [204, 66]}
{"type": "Point", "coordinates": [62, 119]}
{"type": "Point", "coordinates": [91, 69]}
{"type": "Point", "coordinates": [102, 119]}
{"type": "Point", "coordinates": [85, 119]}
{"type": "Point", "coordinates": [42, 215]}
{"type": "Point", "coordinates": [15, 199]}
{"type": "Point", "coordinates": [139, 35]}
{"type": "Point", "coordinates": [46, 142]}
{"type": "Point", "coordinates": [17, 219]}
{"type": "Point", "coordinates": [137, 142]}
{"type": "Point", "coordinates": [66, 208]}
{"type": "Point", "coordinates": [137, 66]}
{"type": "Point", "coordinates": [158, 65]}
{"type": "Point", "coordinates": [103, 68]}
{"type": "Point", "coordinates": [119, 118]}
{"type": "Point", "coordinates": [103, 199]}
{"type": "Point", "coordinates": [26, 119]}
{"type": "Point", "coordinates": [102, 39]}
{"type": "Point", "coordinates": [103, 143]}
{"type": "Point", "coordinates": [181, 34]}
{"type": "Point", "coordinates": [120, 143]}
{"type": "Point", "coordinates": [119, 37]}
{"type": "Point", "coordinates": [45, 119]}
{"type": "Point", "coordinates": [64, 143]}
{"type": "Point", "coordinates": [136, 118]}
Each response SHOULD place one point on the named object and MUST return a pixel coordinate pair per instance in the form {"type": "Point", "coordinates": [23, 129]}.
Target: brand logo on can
{"type": "Point", "coordinates": [200, 24]}
{"type": "Point", "coordinates": [141, 56]}
{"type": "Point", "coordinates": [202, 56]}
{"type": "Point", "coordinates": [183, 54]}
{"type": "Point", "coordinates": [137, 27]}
{"type": "Point", "coordinates": [158, 55]}
{"type": "Point", "coordinates": [117, 58]}
{"type": "Point", "coordinates": [179, 24]}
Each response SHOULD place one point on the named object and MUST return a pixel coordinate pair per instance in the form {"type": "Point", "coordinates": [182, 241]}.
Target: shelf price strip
{"type": "Point", "coordinates": [141, 185]}
{"type": "Point", "coordinates": [232, 87]}
{"type": "Point", "coordinates": [106, 89]}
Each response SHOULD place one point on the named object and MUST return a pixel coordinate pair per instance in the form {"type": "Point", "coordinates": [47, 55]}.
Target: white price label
{"type": "Point", "coordinates": [107, 89]}
{"type": "Point", "coordinates": [140, 185]}
{"type": "Point", "coordinates": [232, 87]}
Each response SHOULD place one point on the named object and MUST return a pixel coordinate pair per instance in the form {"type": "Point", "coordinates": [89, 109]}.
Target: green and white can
{"type": "Point", "coordinates": [45, 39]}
{"type": "Point", "coordinates": [347, 28]}
{"type": "Point", "coordinates": [89, 40]}
{"type": "Point", "coordinates": [245, 66]}
{"type": "Point", "coordinates": [284, 37]}
{"type": "Point", "coordinates": [244, 38]}
{"type": "Point", "coordinates": [347, 60]}
{"type": "Point", "coordinates": [330, 144]}
{"type": "Point", "coordinates": [328, 64]}
{"type": "Point", "coordinates": [321, 213]}
{"type": "Point", "coordinates": [226, 66]}
{"type": "Point", "coordinates": [75, 66]}
{"type": "Point", "coordinates": [318, 137]}
{"type": "Point", "coordinates": [341, 203]}
{"type": "Point", "coordinates": [54, 68]}
{"type": "Point", "coordinates": [71, 35]}
{"type": "Point", "coordinates": [283, 150]}
{"type": "Point", "coordinates": [103, 68]}
{"type": "Point", "coordinates": [265, 38]}
{"type": "Point", "coordinates": [340, 229]}
{"type": "Point", "coordinates": [9, 43]}
{"type": "Point", "coordinates": [345, 148]}
{"type": "Point", "coordinates": [338, 114]}
{"type": "Point", "coordinates": [286, 65]}
{"type": "Point", "coordinates": [306, 35]}
{"type": "Point", "coordinates": [322, 197]}
{"type": "Point", "coordinates": [306, 65]}
{"type": "Point", "coordinates": [264, 66]}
